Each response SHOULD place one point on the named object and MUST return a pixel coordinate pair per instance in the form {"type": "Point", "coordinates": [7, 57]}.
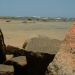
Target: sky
{"type": "Point", "coordinates": [45, 8]}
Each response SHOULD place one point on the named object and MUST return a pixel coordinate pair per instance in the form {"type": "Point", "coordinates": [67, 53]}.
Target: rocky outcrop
{"type": "Point", "coordinates": [19, 63]}
{"type": "Point", "coordinates": [37, 62]}
{"type": "Point", "coordinates": [62, 64]}
{"type": "Point", "coordinates": [20, 60]}
{"type": "Point", "coordinates": [6, 70]}
{"type": "Point", "coordinates": [2, 48]}
{"type": "Point", "coordinates": [11, 49]}
{"type": "Point", "coordinates": [64, 61]}
{"type": "Point", "coordinates": [24, 62]}
{"type": "Point", "coordinates": [43, 44]}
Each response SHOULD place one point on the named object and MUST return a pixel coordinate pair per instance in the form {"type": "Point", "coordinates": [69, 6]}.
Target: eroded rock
{"type": "Point", "coordinates": [2, 48]}
{"type": "Point", "coordinates": [20, 65]}
{"type": "Point", "coordinates": [43, 44]}
{"type": "Point", "coordinates": [37, 62]}
{"type": "Point", "coordinates": [6, 70]}
{"type": "Point", "coordinates": [64, 61]}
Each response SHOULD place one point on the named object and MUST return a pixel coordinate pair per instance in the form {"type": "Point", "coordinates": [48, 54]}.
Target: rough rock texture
{"type": "Point", "coordinates": [20, 60]}
{"type": "Point", "coordinates": [9, 56]}
{"type": "Point", "coordinates": [2, 48]}
{"type": "Point", "coordinates": [11, 49]}
{"type": "Point", "coordinates": [43, 44]}
{"type": "Point", "coordinates": [37, 62]}
{"type": "Point", "coordinates": [6, 70]}
{"type": "Point", "coordinates": [19, 64]}
{"type": "Point", "coordinates": [64, 61]}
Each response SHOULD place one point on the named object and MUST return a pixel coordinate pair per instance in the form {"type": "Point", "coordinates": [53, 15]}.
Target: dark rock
{"type": "Point", "coordinates": [11, 49]}
{"type": "Point", "coordinates": [20, 65]}
{"type": "Point", "coordinates": [8, 21]}
{"type": "Point", "coordinates": [2, 48]}
{"type": "Point", "coordinates": [37, 62]}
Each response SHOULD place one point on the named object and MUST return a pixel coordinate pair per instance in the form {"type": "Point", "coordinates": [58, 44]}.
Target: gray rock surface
{"type": "Point", "coordinates": [43, 44]}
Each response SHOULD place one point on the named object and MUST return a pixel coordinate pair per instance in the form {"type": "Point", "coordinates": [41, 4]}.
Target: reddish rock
{"type": "Point", "coordinates": [70, 37]}
{"type": "Point", "coordinates": [64, 61]}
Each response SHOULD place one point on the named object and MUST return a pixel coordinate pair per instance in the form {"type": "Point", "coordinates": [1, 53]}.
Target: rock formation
{"type": "Point", "coordinates": [64, 61]}
{"type": "Point", "coordinates": [20, 65]}
{"type": "Point", "coordinates": [43, 44]}
{"type": "Point", "coordinates": [37, 62]}
{"type": "Point", "coordinates": [2, 48]}
{"type": "Point", "coordinates": [6, 70]}
{"type": "Point", "coordinates": [24, 62]}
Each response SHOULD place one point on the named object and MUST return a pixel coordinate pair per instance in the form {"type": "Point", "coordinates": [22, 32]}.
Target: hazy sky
{"type": "Point", "coordinates": [53, 8]}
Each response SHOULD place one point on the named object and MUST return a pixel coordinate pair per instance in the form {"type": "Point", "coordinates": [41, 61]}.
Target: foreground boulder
{"type": "Point", "coordinates": [11, 49]}
{"type": "Point", "coordinates": [62, 64]}
{"type": "Point", "coordinates": [64, 61]}
{"type": "Point", "coordinates": [6, 70]}
{"type": "Point", "coordinates": [2, 48]}
{"type": "Point", "coordinates": [19, 64]}
{"type": "Point", "coordinates": [43, 44]}
{"type": "Point", "coordinates": [20, 60]}
{"type": "Point", "coordinates": [37, 62]}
